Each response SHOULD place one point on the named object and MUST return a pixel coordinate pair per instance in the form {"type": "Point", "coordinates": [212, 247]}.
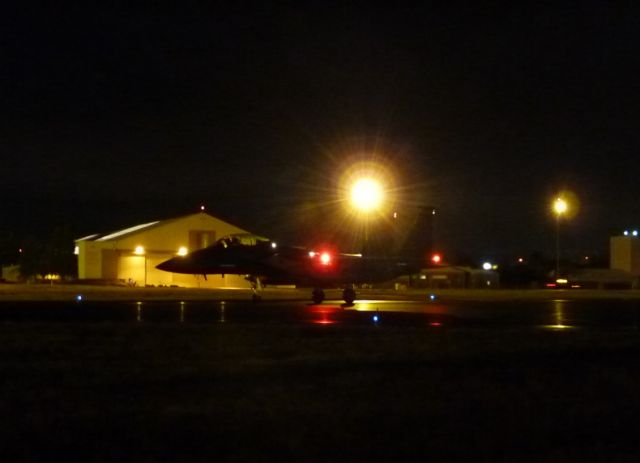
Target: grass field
{"type": "Point", "coordinates": [278, 392]}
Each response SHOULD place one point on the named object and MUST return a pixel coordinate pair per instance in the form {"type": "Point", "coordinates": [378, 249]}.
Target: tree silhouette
{"type": "Point", "coordinates": [54, 255]}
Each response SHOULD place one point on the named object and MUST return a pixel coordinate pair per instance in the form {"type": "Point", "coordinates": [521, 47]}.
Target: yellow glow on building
{"type": "Point", "coordinates": [130, 256]}
{"type": "Point", "coordinates": [183, 251]}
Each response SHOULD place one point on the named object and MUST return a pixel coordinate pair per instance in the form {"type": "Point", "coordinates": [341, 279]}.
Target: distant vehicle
{"type": "Point", "coordinates": [263, 262]}
{"type": "Point", "coordinates": [562, 283]}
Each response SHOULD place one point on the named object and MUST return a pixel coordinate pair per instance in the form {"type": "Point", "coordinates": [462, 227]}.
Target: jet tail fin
{"type": "Point", "coordinates": [406, 235]}
{"type": "Point", "coordinates": [415, 235]}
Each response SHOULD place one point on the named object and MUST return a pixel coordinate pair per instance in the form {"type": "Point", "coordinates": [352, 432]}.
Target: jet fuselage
{"type": "Point", "coordinates": [287, 265]}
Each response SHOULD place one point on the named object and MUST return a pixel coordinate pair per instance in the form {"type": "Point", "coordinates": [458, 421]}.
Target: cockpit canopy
{"type": "Point", "coordinates": [244, 239]}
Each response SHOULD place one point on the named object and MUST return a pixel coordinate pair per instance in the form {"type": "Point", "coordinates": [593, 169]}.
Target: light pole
{"type": "Point", "coordinates": [560, 207]}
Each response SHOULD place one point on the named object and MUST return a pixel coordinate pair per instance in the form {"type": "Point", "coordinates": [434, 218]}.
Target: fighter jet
{"type": "Point", "coordinates": [263, 262]}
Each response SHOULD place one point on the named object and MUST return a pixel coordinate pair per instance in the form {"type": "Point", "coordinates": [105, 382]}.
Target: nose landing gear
{"type": "Point", "coordinates": [256, 288]}
{"type": "Point", "coordinates": [317, 295]}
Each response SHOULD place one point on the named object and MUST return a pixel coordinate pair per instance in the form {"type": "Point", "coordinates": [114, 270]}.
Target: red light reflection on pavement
{"type": "Point", "coordinates": [324, 314]}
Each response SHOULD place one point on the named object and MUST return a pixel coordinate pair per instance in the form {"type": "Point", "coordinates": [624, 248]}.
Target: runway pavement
{"type": "Point", "coordinates": [558, 314]}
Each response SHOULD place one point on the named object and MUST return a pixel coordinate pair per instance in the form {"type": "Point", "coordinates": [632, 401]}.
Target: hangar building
{"type": "Point", "coordinates": [625, 252]}
{"type": "Point", "coordinates": [130, 256]}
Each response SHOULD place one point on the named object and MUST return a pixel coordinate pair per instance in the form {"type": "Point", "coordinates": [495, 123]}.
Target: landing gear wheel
{"type": "Point", "coordinates": [317, 296]}
{"type": "Point", "coordinates": [256, 288]}
{"type": "Point", "coordinates": [349, 295]}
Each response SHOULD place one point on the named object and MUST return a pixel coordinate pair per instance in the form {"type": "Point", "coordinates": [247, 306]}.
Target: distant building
{"type": "Point", "coordinates": [11, 274]}
{"type": "Point", "coordinates": [130, 256]}
{"type": "Point", "coordinates": [625, 253]}
{"type": "Point", "coordinates": [449, 277]}
{"type": "Point", "coordinates": [602, 278]}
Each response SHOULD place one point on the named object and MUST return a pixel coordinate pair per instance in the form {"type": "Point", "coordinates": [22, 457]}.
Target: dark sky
{"type": "Point", "coordinates": [116, 116]}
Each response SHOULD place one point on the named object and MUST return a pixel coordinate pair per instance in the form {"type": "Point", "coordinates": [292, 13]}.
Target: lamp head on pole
{"type": "Point", "coordinates": [367, 194]}
{"type": "Point", "coordinates": [560, 206]}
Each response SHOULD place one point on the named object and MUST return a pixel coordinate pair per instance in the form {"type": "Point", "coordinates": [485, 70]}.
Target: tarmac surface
{"type": "Point", "coordinates": [431, 312]}
{"type": "Point", "coordinates": [156, 374]}
{"type": "Point", "coordinates": [68, 292]}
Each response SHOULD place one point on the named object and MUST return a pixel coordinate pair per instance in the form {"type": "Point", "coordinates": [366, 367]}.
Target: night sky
{"type": "Point", "coordinates": [118, 116]}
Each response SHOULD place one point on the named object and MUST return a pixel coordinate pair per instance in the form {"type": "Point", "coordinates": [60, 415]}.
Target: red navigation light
{"type": "Point", "coordinates": [436, 258]}
{"type": "Point", "coordinates": [325, 258]}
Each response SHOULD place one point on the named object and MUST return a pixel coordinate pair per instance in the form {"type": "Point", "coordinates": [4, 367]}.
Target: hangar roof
{"type": "Point", "coordinates": [119, 234]}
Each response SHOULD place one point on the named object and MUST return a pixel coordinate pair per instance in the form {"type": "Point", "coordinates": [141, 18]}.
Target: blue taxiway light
{"type": "Point", "coordinates": [79, 297]}
{"type": "Point", "coordinates": [432, 297]}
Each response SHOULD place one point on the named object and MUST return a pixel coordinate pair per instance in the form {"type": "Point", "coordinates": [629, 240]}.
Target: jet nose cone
{"type": "Point", "coordinates": [171, 265]}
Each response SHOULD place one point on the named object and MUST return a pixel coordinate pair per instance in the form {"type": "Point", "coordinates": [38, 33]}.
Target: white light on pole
{"type": "Point", "coordinates": [367, 194]}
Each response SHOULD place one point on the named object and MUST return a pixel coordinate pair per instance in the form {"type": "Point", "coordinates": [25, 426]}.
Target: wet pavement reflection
{"type": "Point", "coordinates": [556, 314]}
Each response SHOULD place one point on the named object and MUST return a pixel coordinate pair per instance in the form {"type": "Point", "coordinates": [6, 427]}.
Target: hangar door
{"type": "Point", "coordinates": [132, 269]}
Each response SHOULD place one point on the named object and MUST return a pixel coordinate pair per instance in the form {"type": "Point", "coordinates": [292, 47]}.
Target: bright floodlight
{"type": "Point", "coordinates": [560, 206]}
{"type": "Point", "coordinates": [366, 194]}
